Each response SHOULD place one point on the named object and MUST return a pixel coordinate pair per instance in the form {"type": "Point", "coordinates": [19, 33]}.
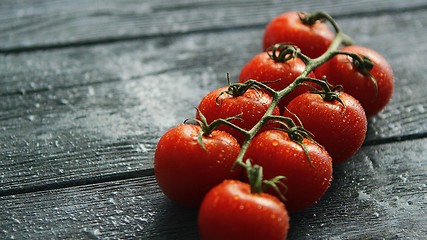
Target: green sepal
{"type": "Point", "coordinates": [200, 140]}
{"type": "Point", "coordinates": [258, 185]}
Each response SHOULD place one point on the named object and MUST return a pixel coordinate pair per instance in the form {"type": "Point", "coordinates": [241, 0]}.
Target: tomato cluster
{"type": "Point", "coordinates": [299, 108]}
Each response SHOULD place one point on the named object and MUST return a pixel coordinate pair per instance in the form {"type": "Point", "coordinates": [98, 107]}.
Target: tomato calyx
{"type": "Point", "coordinates": [258, 185]}
{"type": "Point", "coordinates": [364, 64]}
{"type": "Point", "coordinates": [207, 129]}
{"type": "Point", "coordinates": [311, 18]}
{"type": "Point", "coordinates": [327, 93]}
{"type": "Point", "coordinates": [283, 52]}
{"type": "Point", "coordinates": [239, 89]}
{"type": "Point", "coordinates": [296, 133]}
{"type": "Point", "coordinates": [331, 95]}
{"type": "Point", "coordinates": [235, 89]}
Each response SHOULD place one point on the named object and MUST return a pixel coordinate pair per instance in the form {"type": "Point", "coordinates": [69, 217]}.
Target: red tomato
{"type": "Point", "coordinates": [253, 104]}
{"type": "Point", "coordinates": [264, 69]}
{"type": "Point", "coordinates": [340, 71]}
{"type": "Point", "coordinates": [185, 171]}
{"type": "Point", "coordinates": [280, 156]}
{"type": "Point", "coordinates": [340, 132]}
{"type": "Point", "coordinates": [231, 211]}
{"type": "Point", "coordinates": [312, 40]}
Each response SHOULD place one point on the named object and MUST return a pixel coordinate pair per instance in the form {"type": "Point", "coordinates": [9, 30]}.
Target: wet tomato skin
{"type": "Point", "coordinates": [230, 211]}
{"type": "Point", "coordinates": [340, 71]}
{"type": "Point", "coordinates": [252, 105]}
{"type": "Point", "coordinates": [280, 156]}
{"type": "Point", "coordinates": [340, 132]}
{"type": "Point", "coordinates": [312, 40]}
{"type": "Point", "coordinates": [185, 172]}
{"type": "Point", "coordinates": [264, 69]}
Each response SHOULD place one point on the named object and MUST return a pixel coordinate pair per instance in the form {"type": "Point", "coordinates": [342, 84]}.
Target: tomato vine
{"type": "Point", "coordinates": [287, 132]}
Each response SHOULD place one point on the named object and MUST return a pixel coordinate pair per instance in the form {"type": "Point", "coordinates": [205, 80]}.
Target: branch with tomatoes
{"type": "Point", "coordinates": [266, 145]}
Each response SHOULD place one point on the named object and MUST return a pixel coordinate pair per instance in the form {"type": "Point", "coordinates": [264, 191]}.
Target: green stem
{"type": "Point", "coordinates": [312, 64]}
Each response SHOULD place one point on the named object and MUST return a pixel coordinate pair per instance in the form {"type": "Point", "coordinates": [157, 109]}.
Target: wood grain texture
{"type": "Point", "coordinates": [87, 88]}
{"type": "Point", "coordinates": [380, 194]}
{"type": "Point", "coordinates": [117, 210]}
{"type": "Point", "coordinates": [29, 25]}
{"type": "Point", "coordinates": [85, 112]}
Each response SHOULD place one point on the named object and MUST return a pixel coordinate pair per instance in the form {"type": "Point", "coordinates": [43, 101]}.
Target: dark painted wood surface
{"type": "Point", "coordinates": [88, 87]}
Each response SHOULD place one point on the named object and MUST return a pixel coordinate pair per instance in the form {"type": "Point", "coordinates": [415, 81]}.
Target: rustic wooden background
{"type": "Point", "coordinates": [87, 88]}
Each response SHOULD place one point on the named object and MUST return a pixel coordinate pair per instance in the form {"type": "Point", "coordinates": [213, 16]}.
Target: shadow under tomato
{"type": "Point", "coordinates": [172, 221]}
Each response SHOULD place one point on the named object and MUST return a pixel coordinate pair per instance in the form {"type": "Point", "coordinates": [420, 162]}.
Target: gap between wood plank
{"type": "Point", "coordinates": [392, 139]}
{"type": "Point", "coordinates": [109, 40]}
{"type": "Point", "coordinates": [78, 182]}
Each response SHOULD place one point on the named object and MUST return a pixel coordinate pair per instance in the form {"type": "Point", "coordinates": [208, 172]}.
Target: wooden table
{"type": "Point", "coordinates": [89, 87]}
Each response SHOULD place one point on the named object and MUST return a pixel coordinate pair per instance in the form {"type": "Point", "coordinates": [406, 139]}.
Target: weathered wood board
{"type": "Point", "coordinates": [88, 87]}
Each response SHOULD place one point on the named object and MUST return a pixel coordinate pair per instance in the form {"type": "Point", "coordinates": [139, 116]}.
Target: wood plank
{"type": "Point", "coordinates": [24, 25]}
{"type": "Point", "coordinates": [87, 133]}
{"type": "Point", "coordinates": [122, 209]}
{"type": "Point", "coordinates": [81, 113]}
{"type": "Point", "coordinates": [380, 194]}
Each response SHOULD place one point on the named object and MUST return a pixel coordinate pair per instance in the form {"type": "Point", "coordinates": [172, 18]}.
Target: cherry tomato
{"type": "Point", "coordinates": [341, 71]}
{"type": "Point", "coordinates": [252, 105]}
{"type": "Point", "coordinates": [312, 40]}
{"type": "Point", "coordinates": [280, 156]}
{"type": "Point", "coordinates": [263, 68]}
{"type": "Point", "coordinates": [185, 171]}
{"type": "Point", "coordinates": [231, 211]}
{"type": "Point", "coordinates": [340, 132]}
